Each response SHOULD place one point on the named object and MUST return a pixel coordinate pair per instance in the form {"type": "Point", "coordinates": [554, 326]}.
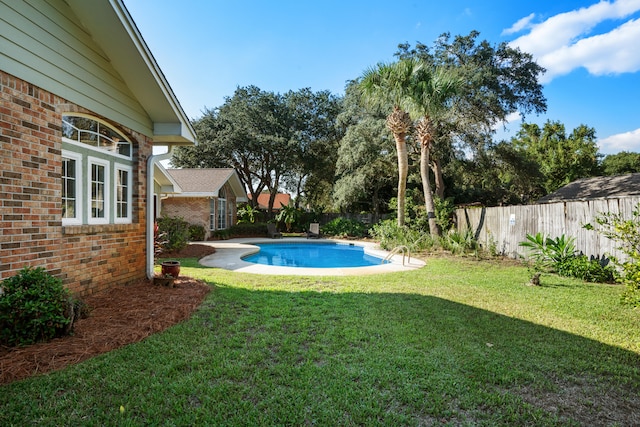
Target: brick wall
{"type": "Point", "coordinates": [87, 258]}
{"type": "Point", "coordinates": [197, 210]}
{"type": "Point", "coordinates": [194, 210]}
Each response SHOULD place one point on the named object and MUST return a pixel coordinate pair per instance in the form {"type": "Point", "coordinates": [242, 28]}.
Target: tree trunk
{"type": "Point", "coordinates": [403, 168]}
{"type": "Point", "coordinates": [298, 191]}
{"type": "Point", "coordinates": [272, 198]}
{"type": "Point", "coordinates": [399, 124]}
{"type": "Point", "coordinates": [436, 167]}
{"type": "Point", "coordinates": [426, 188]}
{"type": "Point", "coordinates": [425, 135]}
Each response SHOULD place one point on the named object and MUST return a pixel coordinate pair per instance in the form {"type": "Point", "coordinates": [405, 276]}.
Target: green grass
{"type": "Point", "coordinates": [459, 342]}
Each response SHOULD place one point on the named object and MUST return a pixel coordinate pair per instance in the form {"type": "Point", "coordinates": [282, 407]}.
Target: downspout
{"type": "Point", "coordinates": [151, 160]}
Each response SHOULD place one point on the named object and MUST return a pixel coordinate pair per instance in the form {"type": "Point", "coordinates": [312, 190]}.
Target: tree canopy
{"type": "Point", "coordinates": [271, 140]}
{"type": "Point", "coordinates": [366, 163]}
{"type": "Point", "coordinates": [621, 163]}
{"type": "Point", "coordinates": [387, 87]}
{"type": "Point", "coordinates": [436, 106]}
{"type": "Point", "coordinates": [561, 158]}
{"type": "Point", "coordinates": [495, 82]}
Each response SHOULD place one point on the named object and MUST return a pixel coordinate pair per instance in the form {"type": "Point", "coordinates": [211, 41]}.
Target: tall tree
{"type": "Point", "coordinates": [366, 163]}
{"type": "Point", "coordinates": [250, 132]}
{"type": "Point", "coordinates": [621, 163]}
{"type": "Point", "coordinates": [314, 149]}
{"type": "Point", "coordinates": [496, 82]}
{"type": "Point", "coordinates": [386, 86]}
{"type": "Point", "coordinates": [365, 160]}
{"type": "Point", "coordinates": [208, 153]}
{"type": "Point", "coordinates": [431, 94]}
{"type": "Point", "coordinates": [561, 158]}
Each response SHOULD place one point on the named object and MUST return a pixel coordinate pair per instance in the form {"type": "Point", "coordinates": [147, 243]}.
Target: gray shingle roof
{"type": "Point", "coordinates": [600, 187]}
{"type": "Point", "coordinates": [201, 180]}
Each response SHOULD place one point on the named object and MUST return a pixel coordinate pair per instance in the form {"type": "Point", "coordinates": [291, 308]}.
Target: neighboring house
{"type": "Point", "coordinates": [600, 187]}
{"type": "Point", "coordinates": [82, 105]}
{"type": "Point", "coordinates": [208, 197]}
{"type": "Point", "coordinates": [282, 199]}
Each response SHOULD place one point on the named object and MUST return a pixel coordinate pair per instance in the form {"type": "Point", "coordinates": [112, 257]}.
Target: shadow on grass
{"type": "Point", "coordinates": [255, 357]}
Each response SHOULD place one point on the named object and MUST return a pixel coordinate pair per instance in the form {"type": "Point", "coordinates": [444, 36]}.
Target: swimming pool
{"type": "Point", "coordinates": [313, 255]}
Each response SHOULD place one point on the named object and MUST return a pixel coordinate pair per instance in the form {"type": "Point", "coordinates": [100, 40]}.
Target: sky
{"type": "Point", "coordinates": [591, 50]}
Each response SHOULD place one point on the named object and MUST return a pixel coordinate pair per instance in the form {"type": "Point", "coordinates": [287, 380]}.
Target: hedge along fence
{"type": "Point", "coordinates": [501, 229]}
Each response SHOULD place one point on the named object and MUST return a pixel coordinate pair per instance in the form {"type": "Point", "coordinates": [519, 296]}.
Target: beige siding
{"type": "Point", "coordinates": [43, 42]}
{"type": "Point", "coordinates": [505, 227]}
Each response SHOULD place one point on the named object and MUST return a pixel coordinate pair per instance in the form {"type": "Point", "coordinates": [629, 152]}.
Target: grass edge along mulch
{"type": "Point", "coordinates": [119, 316]}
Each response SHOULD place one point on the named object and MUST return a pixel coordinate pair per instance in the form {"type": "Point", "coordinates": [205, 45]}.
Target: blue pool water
{"type": "Point", "coordinates": [312, 255]}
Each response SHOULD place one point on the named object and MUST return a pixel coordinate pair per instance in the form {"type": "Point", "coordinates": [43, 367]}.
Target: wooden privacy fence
{"type": "Point", "coordinates": [504, 227]}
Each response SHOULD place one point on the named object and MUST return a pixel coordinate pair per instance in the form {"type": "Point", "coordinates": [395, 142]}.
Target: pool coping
{"type": "Point", "coordinates": [229, 255]}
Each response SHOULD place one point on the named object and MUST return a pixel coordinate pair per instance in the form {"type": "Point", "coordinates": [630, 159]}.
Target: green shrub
{"type": "Point", "coordinates": [197, 233]}
{"type": "Point", "coordinates": [459, 242]}
{"type": "Point", "coordinates": [175, 232]}
{"type": "Point", "coordinates": [345, 227]}
{"type": "Point", "coordinates": [548, 252]}
{"type": "Point", "coordinates": [589, 270]}
{"type": "Point", "coordinates": [290, 215]}
{"type": "Point", "coordinates": [444, 212]}
{"type": "Point", "coordinates": [248, 230]}
{"type": "Point", "coordinates": [390, 235]}
{"type": "Point", "coordinates": [32, 307]}
{"type": "Point", "coordinates": [244, 229]}
{"type": "Point", "coordinates": [630, 277]}
{"type": "Point", "coordinates": [626, 233]}
{"type": "Point", "coordinates": [221, 234]}
{"type": "Point", "coordinates": [248, 214]}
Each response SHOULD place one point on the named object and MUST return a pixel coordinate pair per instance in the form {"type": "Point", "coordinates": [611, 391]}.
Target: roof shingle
{"type": "Point", "coordinates": [201, 180]}
{"type": "Point", "coordinates": [600, 187]}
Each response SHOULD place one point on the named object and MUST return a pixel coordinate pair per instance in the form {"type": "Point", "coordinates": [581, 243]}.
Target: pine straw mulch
{"type": "Point", "coordinates": [119, 316]}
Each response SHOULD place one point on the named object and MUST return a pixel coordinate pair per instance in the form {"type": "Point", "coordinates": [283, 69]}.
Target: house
{"type": "Point", "coordinates": [281, 199]}
{"type": "Point", "coordinates": [207, 197]}
{"type": "Point", "coordinates": [82, 106]}
{"type": "Point", "coordinates": [599, 187]}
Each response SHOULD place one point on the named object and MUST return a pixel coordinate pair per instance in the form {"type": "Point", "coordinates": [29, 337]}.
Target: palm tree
{"type": "Point", "coordinates": [384, 86]}
{"type": "Point", "coordinates": [431, 92]}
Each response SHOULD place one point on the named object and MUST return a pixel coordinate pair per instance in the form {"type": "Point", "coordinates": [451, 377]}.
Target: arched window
{"type": "Point", "coordinates": [97, 172]}
{"type": "Point", "coordinates": [89, 131]}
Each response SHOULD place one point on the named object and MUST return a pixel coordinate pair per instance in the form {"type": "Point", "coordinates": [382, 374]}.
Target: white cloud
{"type": "Point", "coordinates": [520, 25]}
{"type": "Point", "coordinates": [562, 42]}
{"type": "Point", "coordinates": [611, 53]}
{"type": "Point", "coordinates": [504, 131]}
{"type": "Point", "coordinates": [628, 141]}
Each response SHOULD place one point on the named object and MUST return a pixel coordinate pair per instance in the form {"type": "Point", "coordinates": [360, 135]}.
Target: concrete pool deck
{"type": "Point", "coordinates": [229, 255]}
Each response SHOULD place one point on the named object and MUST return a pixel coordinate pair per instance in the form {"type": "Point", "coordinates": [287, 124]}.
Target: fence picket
{"type": "Point", "coordinates": [504, 227]}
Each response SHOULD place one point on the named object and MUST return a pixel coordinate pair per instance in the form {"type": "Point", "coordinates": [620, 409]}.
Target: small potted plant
{"type": "Point", "coordinates": [171, 268]}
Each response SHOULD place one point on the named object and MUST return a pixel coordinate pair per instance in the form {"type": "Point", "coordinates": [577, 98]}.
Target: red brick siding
{"type": "Point", "coordinates": [196, 210]}
{"type": "Point", "coordinates": [87, 258]}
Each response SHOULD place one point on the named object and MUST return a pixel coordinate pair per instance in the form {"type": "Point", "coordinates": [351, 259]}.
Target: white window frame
{"type": "Point", "coordinates": [221, 216]}
{"type": "Point", "coordinates": [77, 219]}
{"type": "Point", "coordinates": [212, 215]}
{"type": "Point", "coordinates": [108, 206]}
{"type": "Point", "coordinates": [100, 138]}
{"type": "Point", "coordinates": [128, 218]}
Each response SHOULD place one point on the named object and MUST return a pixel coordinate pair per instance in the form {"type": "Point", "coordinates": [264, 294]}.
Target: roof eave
{"type": "Point", "coordinates": [114, 30]}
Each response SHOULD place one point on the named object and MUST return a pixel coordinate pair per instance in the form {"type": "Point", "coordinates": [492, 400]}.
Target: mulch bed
{"type": "Point", "coordinates": [119, 316]}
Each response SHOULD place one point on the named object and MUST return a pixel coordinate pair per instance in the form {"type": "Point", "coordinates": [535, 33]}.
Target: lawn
{"type": "Point", "coordinates": [459, 342]}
